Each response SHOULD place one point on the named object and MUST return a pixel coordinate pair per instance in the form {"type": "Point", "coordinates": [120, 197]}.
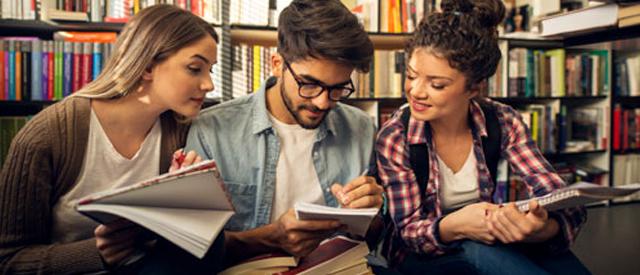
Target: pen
{"type": "Point", "coordinates": [365, 172]}
{"type": "Point", "coordinates": [180, 158]}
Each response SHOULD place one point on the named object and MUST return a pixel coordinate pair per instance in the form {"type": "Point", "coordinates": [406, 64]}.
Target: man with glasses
{"type": "Point", "coordinates": [292, 141]}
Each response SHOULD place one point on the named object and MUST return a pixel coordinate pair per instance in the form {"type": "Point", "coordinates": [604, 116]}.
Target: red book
{"type": "Point", "coordinates": [331, 255]}
{"type": "Point", "coordinates": [264, 264]}
{"type": "Point", "coordinates": [87, 64]}
{"type": "Point", "coordinates": [50, 55]}
{"type": "Point", "coordinates": [617, 119]}
{"type": "Point", "coordinates": [625, 129]}
{"type": "Point", "coordinates": [77, 65]}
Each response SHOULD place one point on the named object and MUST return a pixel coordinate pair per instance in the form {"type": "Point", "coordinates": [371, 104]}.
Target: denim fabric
{"type": "Point", "coordinates": [238, 134]}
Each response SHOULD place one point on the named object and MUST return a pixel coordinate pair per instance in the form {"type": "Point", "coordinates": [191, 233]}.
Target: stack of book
{"type": "Point", "coordinates": [335, 256]}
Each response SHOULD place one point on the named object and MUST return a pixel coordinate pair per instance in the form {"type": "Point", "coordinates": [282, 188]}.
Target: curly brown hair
{"type": "Point", "coordinates": [465, 34]}
{"type": "Point", "coordinates": [323, 29]}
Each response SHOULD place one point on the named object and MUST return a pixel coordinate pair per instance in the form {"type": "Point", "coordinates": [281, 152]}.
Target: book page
{"type": "Point", "coordinates": [192, 229]}
{"type": "Point", "coordinates": [357, 220]}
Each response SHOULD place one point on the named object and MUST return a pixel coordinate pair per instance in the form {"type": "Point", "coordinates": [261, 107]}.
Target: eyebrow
{"type": "Point", "coordinates": [316, 81]}
{"type": "Point", "coordinates": [429, 76]}
{"type": "Point", "coordinates": [202, 58]}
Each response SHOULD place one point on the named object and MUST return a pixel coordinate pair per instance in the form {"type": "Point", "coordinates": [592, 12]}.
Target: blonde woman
{"type": "Point", "coordinates": [121, 128]}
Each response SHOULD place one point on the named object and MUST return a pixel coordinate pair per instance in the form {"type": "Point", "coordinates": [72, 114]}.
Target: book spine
{"type": "Point", "coordinates": [17, 95]}
{"type": "Point", "coordinates": [97, 60]}
{"type": "Point", "coordinates": [77, 66]}
{"type": "Point", "coordinates": [50, 74]}
{"type": "Point", "coordinates": [2, 70]}
{"type": "Point", "coordinates": [58, 70]}
{"type": "Point", "coordinates": [36, 70]}
{"type": "Point", "coordinates": [12, 71]}
{"type": "Point", "coordinates": [68, 65]}
{"type": "Point", "coordinates": [86, 64]}
{"type": "Point", "coordinates": [44, 76]}
{"type": "Point", "coordinates": [26, 70]}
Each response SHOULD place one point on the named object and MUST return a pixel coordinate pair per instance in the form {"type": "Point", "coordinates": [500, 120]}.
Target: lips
{"type": "Point", "coordinates": [198, 99]}
{"type": "Point", "coordinates": [419, 107]}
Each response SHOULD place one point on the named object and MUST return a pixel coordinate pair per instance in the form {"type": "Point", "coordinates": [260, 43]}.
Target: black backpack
{"type": "Point", "coordinates": [419, 153]}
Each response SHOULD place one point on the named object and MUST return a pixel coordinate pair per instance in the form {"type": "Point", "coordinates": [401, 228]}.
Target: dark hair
{"type": "Point", "coordinates": [465, 34]}
{"type": "Point", "coordinates": [323, 29]}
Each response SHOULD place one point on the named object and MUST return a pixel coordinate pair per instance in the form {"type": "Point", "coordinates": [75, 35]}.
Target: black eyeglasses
{"type": "Point", "coordinates": [313, 90]}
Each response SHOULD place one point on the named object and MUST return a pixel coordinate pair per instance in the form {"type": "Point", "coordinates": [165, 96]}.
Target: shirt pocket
{"type": "Point", "coordinates": [243, 197]}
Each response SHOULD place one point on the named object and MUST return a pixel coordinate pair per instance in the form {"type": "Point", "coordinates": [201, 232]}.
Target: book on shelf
{"type": "Point", "coordinates": [356, 220]}
{"type": "Point", "coordinates": [586, 19]}
{"type": "Point", "coordinates": [629, 15]}
{"type": "Point", "coordinates": [625, 172]}
{"type": "Point", "coordinates": [188, 207]}
{"type": "Point", "coordinates": [266, 264]}
{"type": "Point", "coordinates": [578, 194]}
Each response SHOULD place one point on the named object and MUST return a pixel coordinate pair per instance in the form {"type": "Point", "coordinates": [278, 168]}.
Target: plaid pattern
{"type": "Point", "coordinates": [416, 231]}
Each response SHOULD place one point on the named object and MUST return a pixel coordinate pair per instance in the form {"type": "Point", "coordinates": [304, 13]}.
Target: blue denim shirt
{"type": "Point", "coordinates": [239, 135]}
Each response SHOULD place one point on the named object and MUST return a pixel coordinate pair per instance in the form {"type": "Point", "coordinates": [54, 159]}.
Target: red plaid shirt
{"type": "Point", "coordinates": [421, 235]}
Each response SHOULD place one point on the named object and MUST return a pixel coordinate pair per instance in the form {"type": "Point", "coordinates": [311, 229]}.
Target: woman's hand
{"type": "Point", "coordinates": [470, 222]}
{"type": "Point", "coordinates": [116, 241]}
{"type": "Point", "coordinates": [509, 225]}
{"type": "Point", "coordinates": [180, 159]}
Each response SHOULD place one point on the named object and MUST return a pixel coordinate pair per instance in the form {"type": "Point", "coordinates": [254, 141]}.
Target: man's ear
{"type": "Point", "coordinates": [277, 63]}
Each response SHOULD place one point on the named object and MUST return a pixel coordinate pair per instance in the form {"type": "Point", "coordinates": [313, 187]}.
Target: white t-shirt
{"type": "Point", "coordinates": [296, 177]}
{"type": "Point", "coordinates": [103, 168]}
{"type": "Point", "coordinates": [461, 188]}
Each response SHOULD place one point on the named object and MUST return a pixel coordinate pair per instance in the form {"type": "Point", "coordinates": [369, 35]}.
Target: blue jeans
{"type": "Point", "coordinates": [168, 259]}
{"type": "Point", "coordinates": [477, 258]}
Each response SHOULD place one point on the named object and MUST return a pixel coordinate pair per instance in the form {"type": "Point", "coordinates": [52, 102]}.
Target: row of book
{"type": "Point", "coordinates": [626, 128]}
{"type": "Point", "coordinates": [627, 76]}
{"type": "Point", "coordinates": [625, 172]}
{"type": "Point", "coordinates": [554, 73]}
{"type": "Point", "coordinates": [252, 65]}
{"type": "Point", "coordinates": [9, 127]}
{"type": "Point", "coordinates": [388, 16]}
{"type": "Point", "coordinates": [100, 10]}
{"type": "Point", "coordinates": [385, 79]}
{"type": "Point", "coordinates": [557, 128]}
{"type": "Point", "coordinates": [33, 69]}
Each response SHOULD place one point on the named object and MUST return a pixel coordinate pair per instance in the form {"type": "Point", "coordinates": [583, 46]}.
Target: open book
{"type": "Point", "coordinates": [356, 220]}
{"type": "Point", "coordinates": [579, 194]}
{"type": "Point", "coordinates": [188, 207]}
{"type": "Point", "coordinates": [265, 264]}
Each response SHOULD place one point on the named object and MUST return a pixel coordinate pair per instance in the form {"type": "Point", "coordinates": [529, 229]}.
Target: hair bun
{"type": "Point", "coordinates": [489, 13]}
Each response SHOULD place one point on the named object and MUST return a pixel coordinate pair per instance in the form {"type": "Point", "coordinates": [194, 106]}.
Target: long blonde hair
{"type": "Point", "coordinates": [147, 39]}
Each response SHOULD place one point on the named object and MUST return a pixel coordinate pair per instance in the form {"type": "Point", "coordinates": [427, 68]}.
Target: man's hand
{"type": "Point", "coordinates": [116, 241]}
{"type": "Point", "coordinates": [470, 222]}
{"type": "Point", "coordinates": [299, 238]}
{"type": "Point", "coordinates": [509, 225]}
{"type": "Point", "coordinates": [362, 192]}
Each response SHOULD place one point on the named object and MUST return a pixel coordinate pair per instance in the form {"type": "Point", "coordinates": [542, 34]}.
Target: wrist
{"type": "Point", "coordinates": [450, 230]}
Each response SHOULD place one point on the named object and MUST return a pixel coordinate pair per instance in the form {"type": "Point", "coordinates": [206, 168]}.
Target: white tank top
{"type": "Point", "coordinates": [461, 188]}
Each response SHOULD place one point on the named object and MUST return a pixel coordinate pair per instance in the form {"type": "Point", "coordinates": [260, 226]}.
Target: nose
{"type": "Point", "coordinates": [322, 101]}
{"type": "Point", "coordinates": [207, 84]}
{"type": "Point", "coordinates": [418, 89]}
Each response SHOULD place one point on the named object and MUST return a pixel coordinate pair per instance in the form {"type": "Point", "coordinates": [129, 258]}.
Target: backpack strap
{"type": "Point", "coordinates": [418, 156]}
{"type": "Point", "coordinates": [419, 153]}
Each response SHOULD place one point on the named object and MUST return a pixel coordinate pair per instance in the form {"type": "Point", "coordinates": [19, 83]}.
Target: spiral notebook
{"type": "Point", "coordinates": [577, 194]}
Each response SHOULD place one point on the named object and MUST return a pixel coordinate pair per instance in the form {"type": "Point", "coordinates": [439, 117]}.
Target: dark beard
{"type": "Point", "coordinates": [296, 113]}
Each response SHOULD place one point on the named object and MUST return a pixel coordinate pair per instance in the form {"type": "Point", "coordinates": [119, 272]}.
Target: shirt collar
{"type": "Point", "coordinates": [418, 130]}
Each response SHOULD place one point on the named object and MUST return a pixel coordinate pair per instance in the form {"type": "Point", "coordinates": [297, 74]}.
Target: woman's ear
{"type": "Point", "coordinates": [148, 73]}
{"type": "Point", "coordinates": [477, 88]}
